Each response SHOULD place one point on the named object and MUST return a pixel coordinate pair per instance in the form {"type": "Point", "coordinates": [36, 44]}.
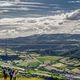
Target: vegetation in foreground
{"type": "Point", "coordinates": [25, 79]}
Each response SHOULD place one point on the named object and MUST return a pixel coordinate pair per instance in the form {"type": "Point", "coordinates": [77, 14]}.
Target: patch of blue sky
{"type": "Point", "coordinates": [41, 7]}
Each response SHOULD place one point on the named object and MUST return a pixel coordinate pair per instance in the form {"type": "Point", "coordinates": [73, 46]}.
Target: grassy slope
{"type": "Point", "coordinates": [25, 79]}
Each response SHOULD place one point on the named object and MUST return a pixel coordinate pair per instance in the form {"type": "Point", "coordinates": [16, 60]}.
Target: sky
{"type": "Point", "coordinates": [37, 7]}
{"type": "Point", "coordinates": [29, 17]}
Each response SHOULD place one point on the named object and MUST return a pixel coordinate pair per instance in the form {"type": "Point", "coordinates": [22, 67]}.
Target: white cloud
{"type": "Point", "coordinates": [21, 8]}
{"type": "Point", "coordinates": [15, 27]}
{"type": "Point", "coordinates": [28, 3]}
{"type": "Point", "coordinates": [4, 11]}
{"type": "Point", "coordinates": [34, 6]}
{"type": "Point", "coordinates": [2, 4]}
{"type": "Point", "coordinates": [14, 3]}
{"type": "Point", "coordinates": [74, 15]}
{"type": "Point", "coordinates": [76, 1]}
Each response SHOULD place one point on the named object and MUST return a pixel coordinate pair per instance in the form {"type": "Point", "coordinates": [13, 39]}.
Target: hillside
{"type": "Point", "coordinates": [44, 44]}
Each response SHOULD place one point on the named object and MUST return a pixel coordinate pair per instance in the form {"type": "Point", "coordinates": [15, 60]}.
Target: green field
{"type": "Point", "coordinates": [25, 79]}
{"type": "Point", "coordinates": [41, 66]}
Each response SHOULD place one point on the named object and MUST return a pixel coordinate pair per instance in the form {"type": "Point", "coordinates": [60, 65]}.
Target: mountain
{"type": "Point", "coordinates": [44, 44]}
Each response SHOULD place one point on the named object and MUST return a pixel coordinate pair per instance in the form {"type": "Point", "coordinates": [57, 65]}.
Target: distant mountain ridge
{"type": "Point", "coordinates": [44, 44]}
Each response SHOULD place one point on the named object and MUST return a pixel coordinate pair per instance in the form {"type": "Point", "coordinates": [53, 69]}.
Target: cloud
{"type": "Point", "coordinates": [17, 9]}
{"type": "Point", "coordinates": [4, 11]}
{"type": "Point", "coordinates": [76, 1]}
{"type": "Point", "coordinates": [2, 4]}
{"type": "Point", "coordinates": [26, 3]}
{"type": "Point", "coordinates": [18, 3]}
{"type": "Point", "coordinates": [74, 15]}
{"type": "Point", "coordinates": [21, 6]}
{"type": "Point", "coordinates": [33, 6]}
{"type": "Point", "coordinates": [15, 27]}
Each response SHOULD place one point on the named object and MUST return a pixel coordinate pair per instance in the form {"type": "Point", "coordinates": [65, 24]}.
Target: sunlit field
{"type": "Point", "coordinates": [25, 79]}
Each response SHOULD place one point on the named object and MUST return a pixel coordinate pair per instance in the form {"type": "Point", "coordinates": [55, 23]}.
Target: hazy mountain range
{"type": "Point", "coordinates": [44, 44]}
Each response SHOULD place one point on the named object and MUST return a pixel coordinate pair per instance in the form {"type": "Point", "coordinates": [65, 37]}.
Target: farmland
{"type": "Point", "coordinates": [34, 66]}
